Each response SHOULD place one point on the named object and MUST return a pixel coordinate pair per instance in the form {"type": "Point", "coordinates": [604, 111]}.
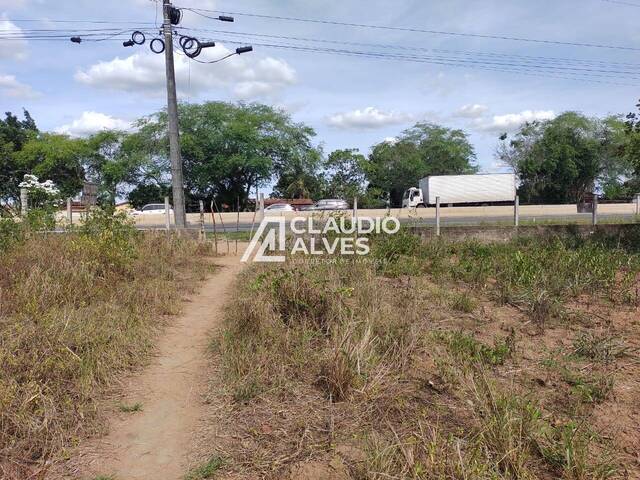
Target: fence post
{"type": "Point", "coordinates": [637, 203]}
{"type": "Point", "coordinates": [516, 212]}
{"type": "Point", "coordinates": [437, 216]}
{"type": "Point", "coordinates": [24, 202]}
{"type": "Point", "coordinates": [355, 209]}
{"type": "Point", "coordinates": [202, 232]}
{"type": "Point", "coordinates": [69, 212]}
{"type": "Point", "coordinates": [261, 206]}
{"type": "Point", "coordinates": [167, 214]}
{"type": "Point", "coordinates": [594, 215]}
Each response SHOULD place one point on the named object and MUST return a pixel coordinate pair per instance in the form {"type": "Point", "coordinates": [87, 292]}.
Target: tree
{"type": "Point", "coordinates": [345, 174]}
{"type": "Point", "coordinates": [147, 193]}
{"type": "Point", "coordinates": [632, 141]}
{"type": "Point", "coordinates": [55, 157]}
{"type": "Point", "coordinates": [426, 149]}
{"type": "Point", "coordinates": [300, 176]}
{"type": "Point", "coordinates": [561, 160]}
{"type": "Point", "coordinates": [117, 159]}
{"type": "Point", "coordinates": [230, 149]}
{"type": "Point", "coordinates": [14, 133]}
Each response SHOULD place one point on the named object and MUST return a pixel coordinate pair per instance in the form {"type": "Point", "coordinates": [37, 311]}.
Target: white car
{"type": "Point", "coordinates": [152, 209]}
{"type": "Point", "coordinates": [279, 208]}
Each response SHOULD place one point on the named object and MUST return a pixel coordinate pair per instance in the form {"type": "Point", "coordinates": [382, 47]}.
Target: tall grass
{"type": "Point", "coordinates": [76, 310]}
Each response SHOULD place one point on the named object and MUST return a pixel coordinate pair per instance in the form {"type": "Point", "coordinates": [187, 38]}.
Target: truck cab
{"type": "Point", "coordinates": [413, 198]}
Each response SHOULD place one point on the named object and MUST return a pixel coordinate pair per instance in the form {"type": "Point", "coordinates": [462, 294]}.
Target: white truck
{"type": "Point", "coordinates": [479, 189]}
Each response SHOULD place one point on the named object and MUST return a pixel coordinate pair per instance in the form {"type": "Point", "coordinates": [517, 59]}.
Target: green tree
{"type": "Point", "coordinates": [117, 159]}
{"type": "Point", "coordinates": [426, 149]}
{"type": "Point", "coordinates": [632, 141]}
{"type": "Point", "coordinates": [230, 149]}
{"type": "Point", "coordinates": [14, 133]}
{"type": "Point", "coordinates": [345, 174]}
{"type": "Point", "coordinates": [146, 193]}
{"type": "Point", "coordinates": [560, 160]}
{"type": "Point", "coordinates": [55, 157]}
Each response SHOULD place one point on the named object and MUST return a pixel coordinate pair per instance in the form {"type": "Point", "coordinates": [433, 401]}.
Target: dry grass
{"type": "Point", "coordinates": [76, 310]}
{"type": "Point", "coordinates": [429, 364]}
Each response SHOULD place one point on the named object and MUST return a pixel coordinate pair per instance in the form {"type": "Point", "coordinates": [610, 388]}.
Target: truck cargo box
{"type": "Point", "coordinates": [461, 189]}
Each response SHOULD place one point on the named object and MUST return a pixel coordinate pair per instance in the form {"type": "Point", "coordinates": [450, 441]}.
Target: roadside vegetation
{"type": "Point", "coordinates": [435, 361]}
{"type": "Point", "coordinates": [76, 310]}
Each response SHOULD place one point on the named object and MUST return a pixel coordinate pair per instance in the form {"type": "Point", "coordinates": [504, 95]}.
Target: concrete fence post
{"type": "Point", "coordinates": [437, 216]}
{"type": "Point", "coordinates": [261, 206]}
{"type": "Point", "coordinates": [355, 209]}
{"type": "Point", "coordinates": [167, 214]}
{"type": "Point", "coordinates": [202, 232]}
{"type": "Point", "coordinates": [516, 211]}
{"type": "Point", "coordinates": [24, 202]}
{"type": "Point", "coordinates": [69, 211]}
{"type": "Point", "coordinates": [637, 203]}
{"type": "Point", "coordinates": [594, 214]}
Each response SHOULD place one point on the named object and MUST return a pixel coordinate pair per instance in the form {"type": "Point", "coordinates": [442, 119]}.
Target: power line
{"type": "Point", "coordinates": [523, 58]}
{"type": "Point", "coordinates": [497, 62]}
{"type": "Point", "coordinates": [620, 2]}
{"type": "Point", "coordinates": [524, 70]}
{"type": "Point", "coordinates": [199, 11]}
{"type": "Point", "coordinates": [97, 22]}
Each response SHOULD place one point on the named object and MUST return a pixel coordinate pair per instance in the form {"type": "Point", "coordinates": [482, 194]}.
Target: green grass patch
{"type": "Point", "coordinates": [207, 470]}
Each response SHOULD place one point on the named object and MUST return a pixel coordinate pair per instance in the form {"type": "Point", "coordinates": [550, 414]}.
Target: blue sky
{"type": "Point", "coordinates": [352, 102]}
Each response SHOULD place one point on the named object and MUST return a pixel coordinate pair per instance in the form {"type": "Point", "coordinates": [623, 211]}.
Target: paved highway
{"type": "Point", "coordinates": [496, 220]}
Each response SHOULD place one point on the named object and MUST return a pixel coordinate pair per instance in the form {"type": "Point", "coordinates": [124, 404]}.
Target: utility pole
{"type": "Point", "coordinates": [177, 181]}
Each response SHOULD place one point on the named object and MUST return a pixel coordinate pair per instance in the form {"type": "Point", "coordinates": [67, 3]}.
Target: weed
{"type": "Point", "coordinates": [468, 349]}
{"type": "Point", "coordinates": [603, 348]}
{"type": "Point", "coordinates": [566, 447]}
{"type": "Point", "coordinates": [208, 470]}
{"type": "Point", "coordinates": [136, 407]}
{"type": "Point", "coordinates": [462, 302]}
{"type": "Point", "coordinates": [590, 389]}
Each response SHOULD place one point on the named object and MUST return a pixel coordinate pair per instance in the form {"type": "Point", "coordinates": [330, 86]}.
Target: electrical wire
{"type": "Point", "coordinates": [596, 72]}
{"type": "Point", "coordinates": [523, 58]}
{"type": "Point", "coordinates": [454, 63]}
{"type": "Point", "coordinates": [97, 22]}
{"type": "Point", "coordinates": [620, 2]}
{"type": "Point", "coordinates": [198, 11]}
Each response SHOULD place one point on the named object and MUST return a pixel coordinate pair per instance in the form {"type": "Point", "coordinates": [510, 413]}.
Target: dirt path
{"type": "Point", "coordinates": [154, 443]}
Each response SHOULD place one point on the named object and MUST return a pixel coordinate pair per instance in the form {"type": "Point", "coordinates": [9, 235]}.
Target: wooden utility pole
{"type": "Point", "coordinates": [174, 133]}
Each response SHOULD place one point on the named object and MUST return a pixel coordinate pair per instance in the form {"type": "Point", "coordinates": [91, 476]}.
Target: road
{"type": "Point", "coordinates": [584, 218]}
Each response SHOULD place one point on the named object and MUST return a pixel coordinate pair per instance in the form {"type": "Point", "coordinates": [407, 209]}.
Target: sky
{"type": "Point", "coordinates": [460, 79]}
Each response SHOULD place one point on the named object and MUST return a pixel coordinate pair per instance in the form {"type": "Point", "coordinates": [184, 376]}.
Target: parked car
{"type": "Point", "coordinates": [280, 207]}
{"type": "Point", "coordinates": [151, 209]}
{"type": "Point", "coordinates": [331, 204]}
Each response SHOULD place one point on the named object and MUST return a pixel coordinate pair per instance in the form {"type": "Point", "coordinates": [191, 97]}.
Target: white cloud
{"type": "Point", "coordinates": [471, 111]}
{"type": "Point", "coordinates": [11, 87]}
{"type": "Point", "coordinates": [246, 76]}
{"type": "Point", "coordinates": [12, 49]}
{"type": "Point", "coordinates": [368, 118]}
{"type": "Point", "coordinates": [512, 121]}
{"type": "Point", "coordinates": [92, 122]}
